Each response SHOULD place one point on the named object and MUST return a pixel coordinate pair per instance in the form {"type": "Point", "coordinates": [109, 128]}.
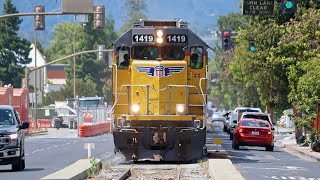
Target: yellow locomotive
{"type": "Point", "coordinates": [159, 92]}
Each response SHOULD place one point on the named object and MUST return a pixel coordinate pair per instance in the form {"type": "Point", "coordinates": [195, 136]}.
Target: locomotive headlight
{"type": "Point", "coordinates": [181, 108]}
{"type": "Point", "coordinates": [159, 40]}
{"type": "Point", "coordinates": [135, 108]}
{"type": "Point", "coordinates": [159, 33]}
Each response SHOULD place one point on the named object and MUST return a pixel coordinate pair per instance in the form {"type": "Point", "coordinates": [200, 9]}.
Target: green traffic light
{"type": "Point", "coordinates": [252, 48]}
{"type": "Point", "coordinates": [288, 4]}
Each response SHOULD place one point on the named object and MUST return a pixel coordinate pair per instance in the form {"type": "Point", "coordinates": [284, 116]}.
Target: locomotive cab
{"type": "Point", "coordinates": [159, 92]}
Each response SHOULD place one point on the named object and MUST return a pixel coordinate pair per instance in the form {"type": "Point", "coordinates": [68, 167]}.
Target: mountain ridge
{"type": "Point", "coordinates": [201, 15]}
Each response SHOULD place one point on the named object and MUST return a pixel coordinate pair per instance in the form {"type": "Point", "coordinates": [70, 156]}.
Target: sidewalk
{"type": "Point", "coordinates": [290, 144]}
{"type": "Point", "coordinates": [54, 133]}
{"type": "Point", "coordinates": [283, 130]}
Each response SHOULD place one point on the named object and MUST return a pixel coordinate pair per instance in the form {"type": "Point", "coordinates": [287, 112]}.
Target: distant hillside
{"type": "Point", "coordinates": [202, 15]}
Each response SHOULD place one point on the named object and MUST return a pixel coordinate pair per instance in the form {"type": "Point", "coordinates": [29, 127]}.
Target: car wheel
{"type": "Point", "coordinates": [18, 165]}
{"type": "Point", "coordinates": [269, 148]}
{"type": "Point", "coordinates": [231, 136]}
{"type": "Point", "coordinates": [235, 146]}
{"type": "Point", "coordinates": [23, 164]}
{"type": "Point", "coordinates": [224, 128]}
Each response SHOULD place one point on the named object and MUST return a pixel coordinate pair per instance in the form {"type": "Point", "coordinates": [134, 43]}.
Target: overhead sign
{"type": "Point", "coordinates": [78, 7]}
{"type": "Point", "coordinates": [257, 7]}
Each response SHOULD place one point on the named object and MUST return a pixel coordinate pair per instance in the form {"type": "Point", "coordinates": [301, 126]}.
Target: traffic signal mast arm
{"type": "Point", "coordinates": [28, 71]}
{"type": "Point", "coordinates": [34, 14]}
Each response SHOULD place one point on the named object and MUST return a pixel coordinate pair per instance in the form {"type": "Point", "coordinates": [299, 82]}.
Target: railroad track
{"type": "Point", "coordinates": [143, 171]}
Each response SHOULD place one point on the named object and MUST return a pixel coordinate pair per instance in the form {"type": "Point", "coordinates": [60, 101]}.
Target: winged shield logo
{"type": "Point", "coordinates": [159, 71]}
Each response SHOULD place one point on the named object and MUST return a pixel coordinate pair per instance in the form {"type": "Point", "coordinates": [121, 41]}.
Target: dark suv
{"type": "Point", "coordinates": [12, 133]}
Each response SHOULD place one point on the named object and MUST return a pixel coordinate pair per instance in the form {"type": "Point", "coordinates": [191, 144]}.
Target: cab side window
{"type": "Point", "coordinates": [123, 57]}
{"type": "Point", "coordinates": [196, 59]}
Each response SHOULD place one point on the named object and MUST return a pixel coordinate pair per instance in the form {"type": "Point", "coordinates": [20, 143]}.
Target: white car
{"type": "Point", "coordinates": [255, 115]}
{"type": "Point", "coordinates": [236, 115]}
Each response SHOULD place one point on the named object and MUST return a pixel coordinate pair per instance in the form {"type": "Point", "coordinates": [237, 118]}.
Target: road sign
{"type": "Point", "coordinates": [81, 6]}
{"type": "Point", "coordinates": [89, 146]}
{"type": "Point", "coordinates": [217, 141]}
{"type": "Point", "coordinates": [257, 7]}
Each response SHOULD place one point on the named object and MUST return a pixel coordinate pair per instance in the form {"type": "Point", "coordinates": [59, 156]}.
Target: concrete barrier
{"type": "Point", "coordinates": [42, 123]}
{"type": "Point", "coordinates": [88, 130]}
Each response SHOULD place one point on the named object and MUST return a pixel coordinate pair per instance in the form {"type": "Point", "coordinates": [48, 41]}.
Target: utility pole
{"type": "Point", "coordinates": [35, 82]}
{"type": "Point", "coordinates": [74, 64]}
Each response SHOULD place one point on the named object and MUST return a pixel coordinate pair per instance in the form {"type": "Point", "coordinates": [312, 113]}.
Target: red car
{"type": "Point", "coordinates": [253, 132]}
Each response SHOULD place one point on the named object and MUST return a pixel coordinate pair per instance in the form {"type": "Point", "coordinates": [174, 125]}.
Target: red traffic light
{"type": "Point", "coordinates": [226, 34]}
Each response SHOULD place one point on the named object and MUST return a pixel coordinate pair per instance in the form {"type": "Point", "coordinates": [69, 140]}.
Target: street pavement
{"type": "Point", "coordinates": [54, 150]}
{"type": "Point", "coordinates": [256, 163]}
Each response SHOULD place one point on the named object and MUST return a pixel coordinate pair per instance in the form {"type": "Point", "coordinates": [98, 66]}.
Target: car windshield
{"type": "Point", "coordinates": [6, 117]}
{"type": "Point", "coordinates": [255, 123]}
{"type": "Point", "coordinates": [252, 116]}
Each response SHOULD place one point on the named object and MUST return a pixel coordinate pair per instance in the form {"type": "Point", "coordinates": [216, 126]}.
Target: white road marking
{"type": "Point", "coordinates": [48, 148]}
{"type": "Point", "coordinates": [293, 178]}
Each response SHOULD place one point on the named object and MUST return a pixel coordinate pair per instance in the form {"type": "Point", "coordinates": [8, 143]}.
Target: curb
{"type": "Point", "coordinates": [76, 171]}
{"type": "Point", "coordinates": [289, 147]}
{"type": "Point", "coordinates": [30, 133]}
{"type": "Point", "coordinates": [223, 169]}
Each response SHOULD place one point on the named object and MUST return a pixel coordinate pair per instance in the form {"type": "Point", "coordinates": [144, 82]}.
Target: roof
{"type": "Point", "coordinates": [91, 98]}
{"type": "Point", "coordinates": [56, 67]}
{"type": "Point", "coordinates": [6, 107]}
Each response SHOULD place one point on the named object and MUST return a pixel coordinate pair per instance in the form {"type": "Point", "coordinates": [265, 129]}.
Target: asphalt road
{"type": "Point", "coordinates": [254, 163]}
{"type": "Point", "coordinates": [46, 154]}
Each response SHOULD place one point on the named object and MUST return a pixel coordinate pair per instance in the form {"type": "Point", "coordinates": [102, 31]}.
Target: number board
{"type": "Point", "coordinates": [143, 38]}
{"type": "Point", "coordinates": [177, 38]}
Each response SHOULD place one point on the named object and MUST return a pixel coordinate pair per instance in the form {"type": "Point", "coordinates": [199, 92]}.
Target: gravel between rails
{"type": "Point", "coordinates": [154, 171]}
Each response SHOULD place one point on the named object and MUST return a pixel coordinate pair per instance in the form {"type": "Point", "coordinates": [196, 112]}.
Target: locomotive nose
{"type": "Point", "coordinates": [159, 75]}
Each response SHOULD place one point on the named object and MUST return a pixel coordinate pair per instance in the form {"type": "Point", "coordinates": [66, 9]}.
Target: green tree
{"type": "Point", "coordinates": [14, 51]}
{"type": "Point", "coordinates": [135, 10]}
{"type": "Point", "coordinates": [83, 37]}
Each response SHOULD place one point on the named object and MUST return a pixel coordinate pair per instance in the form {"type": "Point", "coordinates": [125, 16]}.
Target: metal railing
{"type": "Point", "coordinates": [148, 94]}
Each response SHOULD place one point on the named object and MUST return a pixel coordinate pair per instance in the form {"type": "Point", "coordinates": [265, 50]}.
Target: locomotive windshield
{"type": "Point", "coordinates": [154, 52]}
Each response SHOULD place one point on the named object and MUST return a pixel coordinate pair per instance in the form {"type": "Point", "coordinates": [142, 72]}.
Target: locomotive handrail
{"type": "Point", "coordinates": [169, 86]}
{"type": "Point", "coordinates": [189, 86]}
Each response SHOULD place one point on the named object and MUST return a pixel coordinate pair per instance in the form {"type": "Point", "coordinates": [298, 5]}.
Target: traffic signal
{"type": "Point", "coordinates": [98, 16]}
{"type": "Point", "coordinates": [101, 54]}
{"type": "Point", "coordinates": [289, 6]}
{"type": "Point", "coordinates": [39, 20]}
{"type": "Point", "coordinates": [226, 40]}
{"type": "Point", "coordinates": [252, 46]}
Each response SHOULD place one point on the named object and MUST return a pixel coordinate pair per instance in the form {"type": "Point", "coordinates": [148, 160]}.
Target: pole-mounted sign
{"type": "Point", "coordinates": [257, 7]}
